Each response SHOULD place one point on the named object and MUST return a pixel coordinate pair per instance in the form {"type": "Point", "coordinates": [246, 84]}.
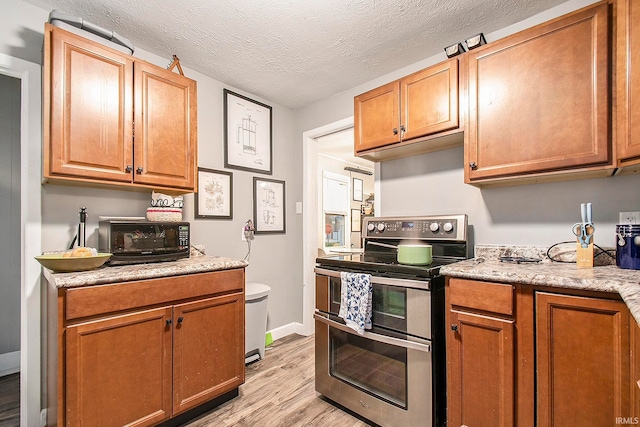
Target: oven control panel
{"type": "Point", "coordinates": [451, 227]}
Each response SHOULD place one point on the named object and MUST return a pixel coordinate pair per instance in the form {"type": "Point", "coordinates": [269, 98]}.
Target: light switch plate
{"type": "Point", "coordinates": [629, 218]}
{"type": "Point", "coordinates": [298, 207]}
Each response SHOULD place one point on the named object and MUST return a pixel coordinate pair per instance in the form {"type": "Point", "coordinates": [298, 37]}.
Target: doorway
{"type": "Point", "coordinates": [313, 219]}
{"type": "Point", "coordinates": [10, 250]}
{"type": "Point", "coordinates": [28, 240]}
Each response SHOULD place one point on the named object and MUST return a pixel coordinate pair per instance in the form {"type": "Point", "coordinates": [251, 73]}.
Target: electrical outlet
{"type": "Point", "coordinates": [629, 218]}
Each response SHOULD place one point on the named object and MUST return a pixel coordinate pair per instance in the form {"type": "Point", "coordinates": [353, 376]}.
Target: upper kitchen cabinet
{"type": "Point", "coordinates": [539, 102]}
{"type": "Point", "coordinates": [95, 100]}
{"type": "Point", "coordinates": [407, 116]}
{"type": "Point", "coordinates": [628, 82]}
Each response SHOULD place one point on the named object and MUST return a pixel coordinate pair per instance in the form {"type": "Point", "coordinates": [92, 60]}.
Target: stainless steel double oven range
{"type": "Point", "coordinates": [394, 374]}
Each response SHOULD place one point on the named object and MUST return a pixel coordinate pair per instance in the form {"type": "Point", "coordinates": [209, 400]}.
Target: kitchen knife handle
{"type": "Point", "coordinates": [583, 212]}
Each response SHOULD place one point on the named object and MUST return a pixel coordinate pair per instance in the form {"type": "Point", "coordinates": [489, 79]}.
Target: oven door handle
{"type": "Point", "coordinates": [375, 337]}
{"type": "Point", "coordinates": [406, 283]}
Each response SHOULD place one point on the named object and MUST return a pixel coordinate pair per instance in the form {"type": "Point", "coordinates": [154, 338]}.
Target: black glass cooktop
{"type": "Point", "coordinates": [381, 264]}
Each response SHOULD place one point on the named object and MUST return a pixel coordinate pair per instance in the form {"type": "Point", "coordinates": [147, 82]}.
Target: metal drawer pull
{"type": "Point", "coordinates": [375, 337]}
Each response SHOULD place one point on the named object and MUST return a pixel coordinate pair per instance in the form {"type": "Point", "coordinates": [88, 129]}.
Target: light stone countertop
{"type": "Point", "coordinates": [127, 273]}
{"type": "Point", "coordinates": [603, 278]}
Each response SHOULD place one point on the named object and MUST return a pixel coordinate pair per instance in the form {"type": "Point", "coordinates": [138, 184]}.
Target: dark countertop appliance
{"type": "Point", "coordinates": [395, 373]}
{"type": "Point", "coordinates": [138, 242]}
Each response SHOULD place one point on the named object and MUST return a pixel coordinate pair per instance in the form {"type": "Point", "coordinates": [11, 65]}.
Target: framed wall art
{"type": "Point", "coordinates": [214, 198]}
{"type": "Point", "coordinates": [268, 206]}
{"type": "Point", "coordinates": [357, 190]}
{"type": "Point", "coordinates": [247, 134]}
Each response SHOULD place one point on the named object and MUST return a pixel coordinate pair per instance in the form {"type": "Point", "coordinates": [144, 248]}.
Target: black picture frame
{"type": "Point", "coordinates": [248, 134]}
{"type": "Point", "coordinates": [214, 196]}
{"type": "Point", "coordinates": [269, 206]}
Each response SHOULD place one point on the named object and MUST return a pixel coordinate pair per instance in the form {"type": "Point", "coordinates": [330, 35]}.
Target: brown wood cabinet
{"type": "Point", "coordinates": [533, 356]}
{"type": "Point", "coordinates": [539, 101]}
{"type": "Point", "coordinates": [582, 354]}
{"type": "Point", "coordinates": [628, 82]}
{"type": "Point", "coordinates": [139, 353]}
{"type": "Point", "coordinates": [97, 98]}
{"type": "Point", "coordinates": [480, 354]}
{"type": "Point", "coordinates": [389, 120]}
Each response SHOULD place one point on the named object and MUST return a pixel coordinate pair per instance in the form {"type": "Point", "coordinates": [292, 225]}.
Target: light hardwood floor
{"type": "Point", "coordinates": [279, 391]}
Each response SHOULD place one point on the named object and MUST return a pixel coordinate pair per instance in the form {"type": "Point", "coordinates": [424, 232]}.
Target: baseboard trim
{"type": "Point", "coordinates": [288, 329]}
{"type": "Point", "coordinates": [9, 363]}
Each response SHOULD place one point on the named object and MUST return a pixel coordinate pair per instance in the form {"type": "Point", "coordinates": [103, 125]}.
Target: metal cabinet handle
{"type": "Point", "coordinates": [139, 170]}
{"type": "Point", "coordinates": [395, 131]}
{"type": "Point", "coordinates": [454, 328]}
{"type": "Point", "coordinates": [473, 165]}
{"type": "Point", "coordinates": [180, 319]}
{"type": "Point", "coordinates": [169, 322]}
{"type": "Point", "coordinates": [128, 169]}
{"type": "Point", "coordinates": [402, 128]}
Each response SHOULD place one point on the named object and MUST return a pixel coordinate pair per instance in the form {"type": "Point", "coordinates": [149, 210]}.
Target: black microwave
{"type": "Point", "coordinates": [138, 241]}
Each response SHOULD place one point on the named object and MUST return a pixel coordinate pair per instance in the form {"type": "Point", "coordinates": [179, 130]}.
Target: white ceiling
{"type": "Point", "coordinates": [296, 52]}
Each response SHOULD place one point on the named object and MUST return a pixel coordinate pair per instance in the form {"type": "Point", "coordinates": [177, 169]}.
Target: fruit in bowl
{"type": "Point", "coordinates": [78, 259]}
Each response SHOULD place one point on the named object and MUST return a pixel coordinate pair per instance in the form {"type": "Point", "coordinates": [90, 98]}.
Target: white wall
{"type": "Point", "coordinates": [540, 214]}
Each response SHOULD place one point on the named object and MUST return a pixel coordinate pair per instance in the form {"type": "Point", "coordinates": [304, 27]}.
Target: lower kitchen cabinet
{"type": "Point", "coordinates": [139, 353]}
{"type": "Point", "coordinates": [482, 372]}
{"type": "Point", "coordinates": [480, 354]}
{"type": "Point", "coordinates": [118, 370]}
{"type": "Point", "coordinates": [582, 355]}
{"type": "Point", "coordinates": [573, 356]}
{"type": "Point", "coordinates": [208, 342]}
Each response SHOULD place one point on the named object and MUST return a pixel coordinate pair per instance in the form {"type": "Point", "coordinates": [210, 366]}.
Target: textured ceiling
{"type": "Point", "coordinates": [296, 52]}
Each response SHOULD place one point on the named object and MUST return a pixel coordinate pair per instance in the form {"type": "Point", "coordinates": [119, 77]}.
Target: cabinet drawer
{"type": "Point", "coordinates": [102, 299]}
{"type": "Point", "coordinates": [492, 297]}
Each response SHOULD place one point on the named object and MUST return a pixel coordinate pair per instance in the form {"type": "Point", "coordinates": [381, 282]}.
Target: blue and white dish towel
{"type": "Point", "coordinates": [355, 301]}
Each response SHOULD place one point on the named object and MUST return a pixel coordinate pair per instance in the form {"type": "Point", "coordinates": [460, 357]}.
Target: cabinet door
{"type": "Point", "coordinates": [208, 349]}
{"type": "Point", "coordinates": [635, 368]}
{"type": "Point", "coordinates": [628, 80]}
{"type": "Point", "coordinates": [118, 370]}
{"type": "Point", "coordinates": [377, 117]}
{"type": "Point", "coordinates": [88, 109]}
{"type": "Point", "coordinates": [582, 354]}
{"type": "Point", "coordinates": [165, 127]}
{"type": "Point", "coordinates": [538, 100]}
{"type": "Point", "coordinates": [481, 371]}
{"type": "Point", "coordinates": [430, 100]}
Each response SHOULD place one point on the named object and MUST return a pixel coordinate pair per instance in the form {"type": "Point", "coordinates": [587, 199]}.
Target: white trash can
{"type": "Point", "coordinates": [256, 295]}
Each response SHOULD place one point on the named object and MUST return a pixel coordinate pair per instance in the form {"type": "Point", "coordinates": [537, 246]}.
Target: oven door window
{"type": "Point", "coordinates": [389, 305]}
{"type": "Point", "coordinates": [377, 368]}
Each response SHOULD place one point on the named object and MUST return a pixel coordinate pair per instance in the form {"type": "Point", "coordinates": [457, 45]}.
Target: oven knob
{"type": "Point", "coordinates": [371, 226]}
{"type": "Point", "coordinates": [447, 227]}
{"type": "Point", "coordinates": [381, 226]}
{"type": "Point", "coordinates": [434, 227]}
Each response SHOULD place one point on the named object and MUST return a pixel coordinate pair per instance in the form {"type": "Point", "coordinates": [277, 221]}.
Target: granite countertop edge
{"type": "Point", "coordinates": [127, 273]}
{"type": "Point", "coordinates": [602, 278]}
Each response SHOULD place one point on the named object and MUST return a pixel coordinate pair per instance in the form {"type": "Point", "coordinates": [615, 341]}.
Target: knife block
{"type": "Point", "coordinates": [584, 256]}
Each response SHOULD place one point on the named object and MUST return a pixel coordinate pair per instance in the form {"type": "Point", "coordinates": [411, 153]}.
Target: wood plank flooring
{"type": "Point", "coordinates": [10, 400]}
{"type": "Point", "coordinates": [279, 391]}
